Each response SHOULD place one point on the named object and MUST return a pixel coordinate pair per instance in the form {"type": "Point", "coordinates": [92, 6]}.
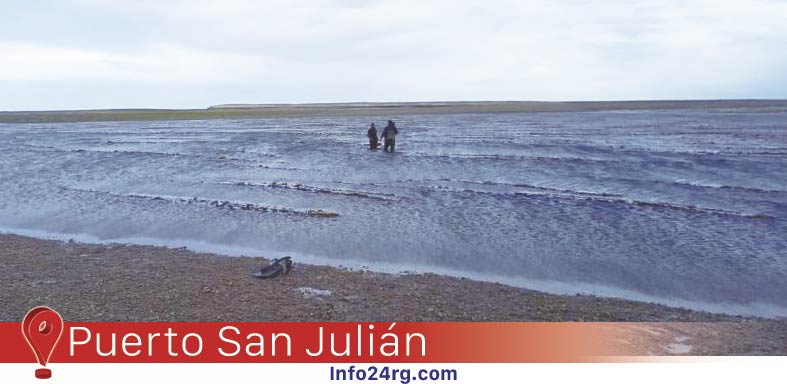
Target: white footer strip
{"type": "Point", "coordinates": [698, 370]}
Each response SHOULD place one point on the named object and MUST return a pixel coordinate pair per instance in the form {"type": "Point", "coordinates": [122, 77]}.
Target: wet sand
{"type": "Point", "coordinates": [120, 282]}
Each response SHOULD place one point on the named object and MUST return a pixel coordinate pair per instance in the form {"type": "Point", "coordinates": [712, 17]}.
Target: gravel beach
{"type": "Point", "coordinates": [118, 282]}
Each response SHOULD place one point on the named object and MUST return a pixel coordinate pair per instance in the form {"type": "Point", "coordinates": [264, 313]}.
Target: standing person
{"type": "Point", "coordinates": [389, 134]}
{"type": "Point", "coordinates": [372, 134]}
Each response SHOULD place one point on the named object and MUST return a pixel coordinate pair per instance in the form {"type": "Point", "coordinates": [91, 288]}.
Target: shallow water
{"type": "Point", "coordinates": [681, 207]}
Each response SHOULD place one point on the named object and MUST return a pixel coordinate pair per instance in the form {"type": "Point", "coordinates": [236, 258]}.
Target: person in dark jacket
{"type": "Point", "coordinates": [389, 134]}
{"type": "Point", "coordinates": [372, 134]}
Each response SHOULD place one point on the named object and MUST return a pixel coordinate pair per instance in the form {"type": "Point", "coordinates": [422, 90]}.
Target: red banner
{"type": "Point", "coordinates": [316, 342]}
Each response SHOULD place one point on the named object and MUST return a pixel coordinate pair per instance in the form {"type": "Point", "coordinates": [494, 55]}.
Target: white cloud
{"type": "Point", "coordinates": [158, 64]}
{"type": "Point", "coordinates": [197, 53]}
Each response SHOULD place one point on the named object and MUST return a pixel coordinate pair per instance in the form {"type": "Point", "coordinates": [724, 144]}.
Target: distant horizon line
{"type": "Point", "coordinates": [435, 103]}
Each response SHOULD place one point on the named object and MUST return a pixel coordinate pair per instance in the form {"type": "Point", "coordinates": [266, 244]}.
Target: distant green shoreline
{"type": "Point", "coordinates": [392, 110]}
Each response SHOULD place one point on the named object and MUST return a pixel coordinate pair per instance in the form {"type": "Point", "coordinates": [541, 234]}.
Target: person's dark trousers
{"type": "Point", "coordinates": [390, 144]}
{"type": "Point", "coordinates": [372, 144]}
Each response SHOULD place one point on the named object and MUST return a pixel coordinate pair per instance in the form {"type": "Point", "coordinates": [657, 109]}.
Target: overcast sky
{"type": "Point", "coordinates": [180, 54]}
